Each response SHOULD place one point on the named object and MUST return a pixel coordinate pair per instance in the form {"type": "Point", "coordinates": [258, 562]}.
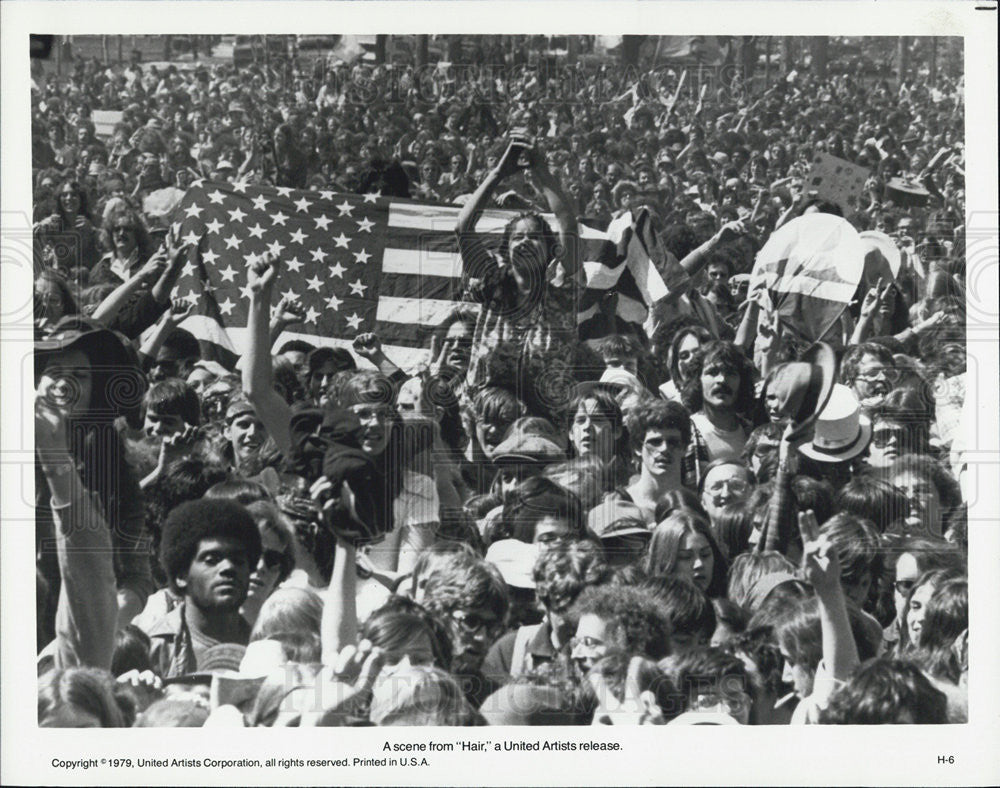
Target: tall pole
{"type": "Point", "coordinates": [422, 42]}
{"type": "Point", "coordinates": [59, 54]}
{"type": "Point", "coordinates": [767, 63]}
{"type": "Point", "coordinates": [121, 44]}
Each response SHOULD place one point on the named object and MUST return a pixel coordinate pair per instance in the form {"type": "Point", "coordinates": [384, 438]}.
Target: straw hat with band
{"type": "Point", "coordinates": [842, 432]}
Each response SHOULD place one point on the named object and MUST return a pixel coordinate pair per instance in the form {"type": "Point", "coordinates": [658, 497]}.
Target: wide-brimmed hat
{"type": "Point", "coordinates": [842, 432]}
{"type": "Point", "coordinates": [803, 387]}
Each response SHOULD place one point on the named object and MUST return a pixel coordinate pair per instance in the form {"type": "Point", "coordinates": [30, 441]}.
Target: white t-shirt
{"type": "Point", "coordinates": [721, 444]}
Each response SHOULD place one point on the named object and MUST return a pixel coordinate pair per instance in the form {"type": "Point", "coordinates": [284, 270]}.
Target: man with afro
{"type": "Point", "coordinates": [208, 550]}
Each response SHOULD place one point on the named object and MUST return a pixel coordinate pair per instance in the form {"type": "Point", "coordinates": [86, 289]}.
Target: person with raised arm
{"type": "Point", "coordinates": [525, 336]}
{"type": "Point", "coordinates": [258, 377]}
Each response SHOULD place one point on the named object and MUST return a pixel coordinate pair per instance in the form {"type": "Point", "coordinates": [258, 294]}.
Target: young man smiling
{"type": "Point", "coordinates": [208, 550]}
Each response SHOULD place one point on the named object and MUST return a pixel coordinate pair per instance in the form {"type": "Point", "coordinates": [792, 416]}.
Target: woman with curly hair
{"type": "Point", "coordinates": [68, 238]}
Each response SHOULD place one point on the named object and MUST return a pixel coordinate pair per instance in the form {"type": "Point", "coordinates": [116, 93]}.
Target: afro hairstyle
{"type": "Point", "coordinates": [189, 523]}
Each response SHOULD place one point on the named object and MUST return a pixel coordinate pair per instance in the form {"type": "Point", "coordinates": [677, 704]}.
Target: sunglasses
{"type": "Point", "coordinates": [904, 587]}
{"type": "Point", "coordinates": [882, 438]}
{"type": "Point", "coordinates": [273, 558]}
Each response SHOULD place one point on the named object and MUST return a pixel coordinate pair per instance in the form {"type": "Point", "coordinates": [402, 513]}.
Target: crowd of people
{"type": "Point", "coordinates": [703, 521]}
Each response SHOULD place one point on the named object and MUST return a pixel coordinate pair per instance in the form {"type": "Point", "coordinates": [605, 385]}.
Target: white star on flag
{"type": "Point", "coordinates": [323, 222]}
{"type": "Point", "coordinates": [236, 215]}
{"type": "Point", "coordinates": [284, 191]}
{"type": "Point", "coordinates": [252, 258]}
{"type": "Point", "coordinates": [315, 283]}
{"type": "Point", "coordinates": [191, 239]}
{"type": "Point", "coordinates": [326, 195]}
{"type": "Point", "coordinates": [301, 205]}
{"type": "Point", "coordinates": [342, 241]}
{"type": "Point", "coordinates": [228, 274]}
{"type": "Point", "coordinates": [294, 264]}
{"type": "Point", "coordinates": [240, 186]}
{"type": "Point", "coordinates": [260, 202]}
{"type": "Point", "coordinates": [361, 257]}
{"type": "Point", "coordinates": [372, 196]}
{"type": "Point", "coordinates": [298, 236]}
{"type": "Point", "coordinates": [345, 208]}
{"type": "Point", "coordinates": [216, 197]}
{"type": "Point", "coordinates": [193, 211]}
{"type": "Point", "coordinates": [214, 226]}
{"type": "Point", "coordinates": [333, 303]}
{"type": "Point", "coordinates": [192, 298]}
{"type": "Point", "coordinates": [290, 294]}
{"type": "Point", "coordinates": [357, 288]}
{"type": "Point", "coordinates": [257, 231]}
{"type": "Point", "coordinates": [311, 315]}
{"type": "Point", "coordinates": [354, 321]}
{"type": "Point", "coordinates": [227, 306]}
{"type": "Point", "coordinates": [275, 248]}
{"type": "Point", "coordinates": [279, 218]}
{"type": "Point", "coordinates": [337, 270]}
{"type": "Point", "coordinates": [245, 291]}
{"type": "Point", "coordinates": [318, 255]}
{"type": "Point", "coordinates": [233, 242]}
{"type": "Point", "coordinates": [209, 257]}
{"type": "Point", "coordinates": [365, 225]}
{"type": "Point", "coordinates": [188, 269]}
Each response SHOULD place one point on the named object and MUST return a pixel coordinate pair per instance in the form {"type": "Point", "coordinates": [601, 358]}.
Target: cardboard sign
{"type": "Point", "coordinates": [105, 121]}
{"type": "Point", "coordinates": [836, 180]}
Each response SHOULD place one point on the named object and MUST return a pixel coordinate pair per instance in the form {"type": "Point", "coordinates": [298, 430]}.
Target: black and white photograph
{"type": "Point", "coordinates": [527, 379]}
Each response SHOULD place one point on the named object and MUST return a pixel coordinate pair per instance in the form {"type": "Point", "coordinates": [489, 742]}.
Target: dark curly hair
{"type": "Point", "coordinates": [634, 621]}
{"type": "Point", "coordinates": [562, 573]}
{"type": "Point", "coordinates": [657, 415]}
{"type": "Point", "coordinates": [465, 583]}
{"type": "Point", "coordinates": [732, 358]}
{"type": "Point", "coordinates": [193, 521]}
{"type": "Point", "coordinates": [886, 692]}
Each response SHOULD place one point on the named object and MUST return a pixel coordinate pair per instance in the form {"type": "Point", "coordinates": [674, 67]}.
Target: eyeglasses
{"type": "Point", "coordinates": [904, 587]}
{"type": "Point", "coordinates": [736, 486]}
{"type": "Point", "coordinates": [885, 373]}
{"type": "Point", "coordinates": [273, 558]}
{"type": "Point", "coordinates": [473, 623]}
{"type": "Point", "coordinates": [122, 231]}
{"type": "Point", "coordinates": [587, 642]}
{"type": "Point", "coordinates": [881, 438]}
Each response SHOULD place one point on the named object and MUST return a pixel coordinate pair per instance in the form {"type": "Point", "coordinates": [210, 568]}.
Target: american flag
{"type": "Point", "coordinates": [363, 263]}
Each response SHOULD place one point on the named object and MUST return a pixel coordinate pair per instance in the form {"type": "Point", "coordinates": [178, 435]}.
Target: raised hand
{"type": "Point", "coordinates": [288, 311]}
{"type": "Point", "coordinates": [731, 231]}
{"type": "Point", "coordinates": [510, 162]}
{"type": "Point", "coordinates": [180, 311]}
{"type": "Point", "coordinates": [874, 298]}
{"type": "Point", "coordinates": [263, 273]}
{"type": "Point", "coordinates": [820, 565]}
{"type": "Point", "coordinates": [368, 346]}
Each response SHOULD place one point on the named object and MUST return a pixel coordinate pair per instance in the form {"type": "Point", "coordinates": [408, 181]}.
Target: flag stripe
{"type": "Point", "coordinates": [358, 263]}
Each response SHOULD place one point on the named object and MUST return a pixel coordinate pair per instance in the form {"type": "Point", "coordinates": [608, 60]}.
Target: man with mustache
{"type": "Point", "coordinates": [208, 550]}
{"type": "Point", "coordinates": [718, 393]}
